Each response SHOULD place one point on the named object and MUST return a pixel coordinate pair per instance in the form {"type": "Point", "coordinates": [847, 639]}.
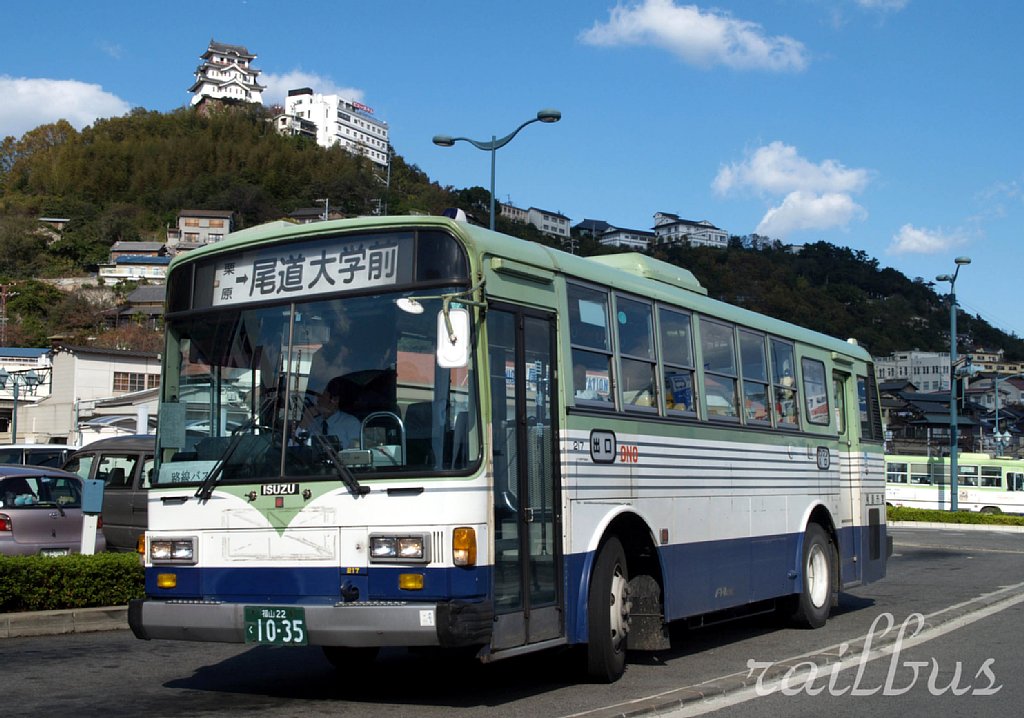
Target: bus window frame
{"type": "Point", "coordinates": [650, 362]}
{"type": "Point", "coordinates": [667, 363]}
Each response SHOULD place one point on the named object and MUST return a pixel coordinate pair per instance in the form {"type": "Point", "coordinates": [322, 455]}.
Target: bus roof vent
{"type": "Point", "coordinates": [643, 266]}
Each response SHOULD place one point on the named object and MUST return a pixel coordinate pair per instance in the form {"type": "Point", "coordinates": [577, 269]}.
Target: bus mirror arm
{"type": "Point", "coordinates": [464, 297]}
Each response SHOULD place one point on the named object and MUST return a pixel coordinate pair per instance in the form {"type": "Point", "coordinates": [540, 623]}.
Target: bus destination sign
{"type": "Point", "coordinates": [312, 268]}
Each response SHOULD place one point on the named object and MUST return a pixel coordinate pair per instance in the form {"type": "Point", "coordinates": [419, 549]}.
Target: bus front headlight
{"type": "Point", "coordinates": [178, 550]}
{"type": "Point", "coordinates": [401, 549]}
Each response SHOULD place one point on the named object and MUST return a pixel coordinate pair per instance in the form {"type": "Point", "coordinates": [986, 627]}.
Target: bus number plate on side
{"type": "Point", "coordinates": [275, 625]}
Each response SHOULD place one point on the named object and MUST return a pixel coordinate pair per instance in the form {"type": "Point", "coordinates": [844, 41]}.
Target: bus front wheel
{"type": "Point", "coordinates": [810, 607]}
{"type": "Point", "coordinates": [608, 607]}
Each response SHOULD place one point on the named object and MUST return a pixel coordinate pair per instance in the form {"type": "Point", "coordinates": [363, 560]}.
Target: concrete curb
{"type": "Point", "coordinates": [53, 623]}
{"type": "Point", "coordinates": [955, 527]}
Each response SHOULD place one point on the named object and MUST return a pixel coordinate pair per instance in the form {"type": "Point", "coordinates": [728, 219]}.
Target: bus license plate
{"type": "Point", "coordinates": [275, 625]}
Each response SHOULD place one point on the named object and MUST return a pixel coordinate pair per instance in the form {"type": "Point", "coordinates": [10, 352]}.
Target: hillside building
{"type": "Point", "coordinates": [198, 227]}
{"type": "Point", "coordinates": [635, 240]}
{"type": "Point", "coordinates": [671, 230]}
{"type": "Point", "coordinates": [338, 121]}
{"type": "Point", "coordinates": [553, 224]}
{"type": "Point", "coordinates": [929, 371]}
{"type": "Point", "coordinates": [226, 74]}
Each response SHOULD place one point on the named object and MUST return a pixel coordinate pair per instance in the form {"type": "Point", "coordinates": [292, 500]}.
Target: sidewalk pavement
{"type": "Point", "coordinates": [115, 618]}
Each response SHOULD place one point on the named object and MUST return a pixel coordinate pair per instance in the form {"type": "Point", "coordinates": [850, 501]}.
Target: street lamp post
{"type": "Point", "coordinates": [326, 202]}
{"type": "Point", "coordinates": [29, 379]}
{"type": "Point", "coordinates": [1001, 439]}
{"type": "Point", "coordinates": [495, 143]}
{"type": "Point", "coordinates": [953, 426]}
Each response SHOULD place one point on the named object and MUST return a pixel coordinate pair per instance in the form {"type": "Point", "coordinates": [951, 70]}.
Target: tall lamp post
{"type": "Point", "coordinates": [29, 379]}
{"type": "Point", "coordinates": [495, 144]}
{"type": "Point", "coordinates": [326, 202]}
{"type": "Point", "coordinates": [1001, 438]}
{"type": "Point", "coordinates": [954, 469]}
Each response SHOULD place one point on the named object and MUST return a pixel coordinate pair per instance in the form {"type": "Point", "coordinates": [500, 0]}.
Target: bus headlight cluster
{"type": "Point", "coordinates": [179, 550]}
{"type": "Point", "coordinates": [399, 549]}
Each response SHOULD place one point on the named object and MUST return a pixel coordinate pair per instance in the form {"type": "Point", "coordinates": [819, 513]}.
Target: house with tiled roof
{"type": "Point", "coordinates": [671, 229]}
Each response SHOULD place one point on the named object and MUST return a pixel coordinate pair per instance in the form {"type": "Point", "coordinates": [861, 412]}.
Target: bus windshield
{"type": "Point", "coordinates": [324, 388]}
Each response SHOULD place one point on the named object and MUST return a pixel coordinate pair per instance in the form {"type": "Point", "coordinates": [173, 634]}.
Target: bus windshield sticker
{"type": "Point", "coordinates": [312, 268]}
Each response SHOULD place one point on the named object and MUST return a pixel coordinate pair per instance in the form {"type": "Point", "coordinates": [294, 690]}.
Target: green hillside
{"type": "Point", "coordinates": [126, 179]}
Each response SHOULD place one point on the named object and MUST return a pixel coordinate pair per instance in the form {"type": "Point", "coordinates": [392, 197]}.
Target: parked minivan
{"type": "Point", "coordinates": [52, 455]}
{"type": "Point", "coordinates": [125, 465]}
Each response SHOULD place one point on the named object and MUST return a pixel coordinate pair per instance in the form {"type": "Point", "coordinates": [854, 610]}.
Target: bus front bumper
{"type": "Point", "coordinates": [383, 623]}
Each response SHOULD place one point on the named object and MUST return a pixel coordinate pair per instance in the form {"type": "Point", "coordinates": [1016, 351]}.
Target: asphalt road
{"type": "Point", "coordinates": [948, 576]}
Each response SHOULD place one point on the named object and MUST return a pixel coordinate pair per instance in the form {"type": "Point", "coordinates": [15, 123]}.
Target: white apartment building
{"type": "Point", "coordinates": [81, 377]}
{"type": "Point", "coordinates": [670, 229]}
{"type": "Point", "coordinates": [633, 239]}
{"type": "Point", "coordinates": [340, 121]}
{"type": "Point", "coordinates": [513, 213]}
{"type": "Point", "coordinates": [226, 74]}
{"type": "Point", "coordinates": [551, 223]}
{"type": "Point", "coordinates": [929, 371]}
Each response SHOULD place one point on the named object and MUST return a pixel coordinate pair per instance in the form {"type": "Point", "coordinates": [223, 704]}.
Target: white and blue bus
{"type": "Point", "coordinates": [537, 449]}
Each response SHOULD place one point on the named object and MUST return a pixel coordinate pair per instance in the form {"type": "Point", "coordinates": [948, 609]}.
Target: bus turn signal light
{"type": "Point", "coordinates": [464, 546]}
{"type": "Point", "coordinates": [410, 581]}
{"type": "Point", "coordinates": [166, 580]}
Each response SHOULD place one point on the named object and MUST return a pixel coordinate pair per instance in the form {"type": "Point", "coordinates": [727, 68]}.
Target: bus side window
{"type": "Point", "coordinates": [896, 473]}
{"type": "Point", "coordinates": [591, 345]}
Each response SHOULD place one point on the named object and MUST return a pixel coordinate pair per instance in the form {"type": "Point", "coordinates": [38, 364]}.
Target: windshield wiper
{"type": "Point", "coordinates": [205, 490]}
{"type": "Point", "coordinates": [344, 473]}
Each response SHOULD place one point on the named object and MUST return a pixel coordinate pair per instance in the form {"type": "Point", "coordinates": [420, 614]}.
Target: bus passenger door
{"type": "Point", "coordinates": [849, 468]}
{"type": "Point", "coordinates": [527, 510]}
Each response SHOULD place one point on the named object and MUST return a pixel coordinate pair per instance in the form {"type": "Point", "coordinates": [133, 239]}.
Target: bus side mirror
{"type": "Point", "coordinates": [453, 338]}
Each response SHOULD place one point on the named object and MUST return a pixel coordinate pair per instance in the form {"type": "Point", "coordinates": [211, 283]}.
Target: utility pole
{"type": "Point", "coordinates": [4, 294]}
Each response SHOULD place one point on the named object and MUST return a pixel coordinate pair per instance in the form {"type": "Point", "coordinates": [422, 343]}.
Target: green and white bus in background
{"type": "Point", "coordinates": [549, 449]}
{"type": "Point", "coordinates": [985, 483]}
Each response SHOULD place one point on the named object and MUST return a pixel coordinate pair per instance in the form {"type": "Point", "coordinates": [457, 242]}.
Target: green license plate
{"type": "Point", "coordinates": [275, 625]}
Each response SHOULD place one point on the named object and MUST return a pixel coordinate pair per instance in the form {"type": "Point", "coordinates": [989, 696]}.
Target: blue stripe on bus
{"type": "Point", "coordinates": [298, 584]}
{"type": "Point", "coordinates": [712, 576]}
{"type": "Point", "coordinates": [718, 575]}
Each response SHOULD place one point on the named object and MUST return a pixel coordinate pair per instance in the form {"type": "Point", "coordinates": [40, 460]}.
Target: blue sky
{"type": "Point", "coordinates": [888, 126]}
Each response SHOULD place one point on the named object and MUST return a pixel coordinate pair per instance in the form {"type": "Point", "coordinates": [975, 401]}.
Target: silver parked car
{"type": "Point", "coordinates": [41, 512]}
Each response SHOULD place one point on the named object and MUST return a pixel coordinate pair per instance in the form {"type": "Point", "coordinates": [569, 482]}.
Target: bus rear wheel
{"type": "Point", "coordinates": [608, 608]}
{"type": "Point", "coordinates": [810, 608]}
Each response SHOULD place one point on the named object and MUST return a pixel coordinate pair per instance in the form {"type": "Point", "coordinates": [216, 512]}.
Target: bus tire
{"type": "Point", "coordinates": [813, 604]}
{"type": "Point", "coordinates": [608, 607]}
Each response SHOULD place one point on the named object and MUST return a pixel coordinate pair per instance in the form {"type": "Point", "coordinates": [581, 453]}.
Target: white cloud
{"type": "Point", "coordinates": [778, 168]}
{"type": "Point", "coordinates": [815, 196]}
{"type": "Point", "coordinates": [916, 240]}
{"type": "Point", "coordinates": [279, 84]}
{"type": "Point", "coordinates": [702, 38]}
{"type": "Point", "coordinates": [808, 210]}
{"type": "Point", "coordinates": [30, 102]}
